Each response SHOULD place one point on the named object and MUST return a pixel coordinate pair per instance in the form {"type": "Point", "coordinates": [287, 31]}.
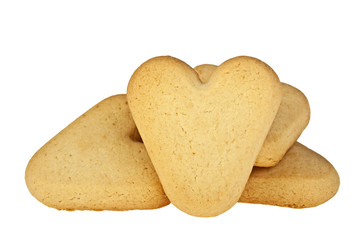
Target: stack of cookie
{"type": "Point", "coordinates": [201, 138]}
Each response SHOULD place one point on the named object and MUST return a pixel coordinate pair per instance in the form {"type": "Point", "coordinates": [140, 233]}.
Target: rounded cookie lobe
{"type": "Point", "coordinates": [302, 179]}
{"type": "Point", "coordinates": [96, 163]}
{"type": "Point", "coordinates": [291, 119]}
{"type": "Point", "coordinates": [203, 139]}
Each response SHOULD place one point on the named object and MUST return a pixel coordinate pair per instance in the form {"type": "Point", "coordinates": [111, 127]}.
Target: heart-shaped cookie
{"type": "Point", "coordinates": [291, 119]}
{"type": "Point", "coordinates": [96, 163]}
{"type": "Point", "coordinates": [203, 139]}
{"type": "Point", "coordinates": [302, 179]}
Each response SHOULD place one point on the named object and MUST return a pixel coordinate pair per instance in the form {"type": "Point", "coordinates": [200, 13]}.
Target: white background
{"type": "Point", "coordinates": [59, 58]}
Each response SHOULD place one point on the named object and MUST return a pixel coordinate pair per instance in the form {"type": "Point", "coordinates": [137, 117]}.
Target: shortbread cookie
{"type": "Point", "coordinates": [96, 163]}
{"type": "Point", "coordinates": [302, 179]}
{"type": "Point", "coordinates": [300, 163]}
{"type": "Point", "coordinates": [203, 139]}
{"type": "Point", "coordinates": [291, 119]}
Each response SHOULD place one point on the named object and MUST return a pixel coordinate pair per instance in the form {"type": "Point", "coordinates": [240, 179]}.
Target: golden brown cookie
{"type": "Point", "coordinates": [203, 139]}
{"type": "Point", "coordinates": [291, 119]}
{"type": "Point", "coordinates": [302, 179]}
{"type": "Point", "coordinates": [281, 185]}
{"type": "Point", "coordinates": [96, 163]}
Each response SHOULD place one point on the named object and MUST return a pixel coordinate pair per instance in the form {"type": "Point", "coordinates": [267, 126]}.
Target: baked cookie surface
{"type": "Point", "coordinates": [96, 163]}
{"type": "Point", "coordinates": [203, 139]}
{"type": "Point", "coordinates": [291, 119]}
{"type": "Point", "coordinates": [303, 178]}
{"type": "Point", "coordinates": [51, 171]}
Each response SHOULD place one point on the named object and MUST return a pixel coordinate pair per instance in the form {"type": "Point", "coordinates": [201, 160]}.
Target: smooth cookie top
{"type": "Point", "coordinates": [203, 139]}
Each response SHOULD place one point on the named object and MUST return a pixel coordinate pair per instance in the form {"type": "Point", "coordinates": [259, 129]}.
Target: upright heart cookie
{"type": "Point", "coordinates": [291, 119]}
{"type": "Point", "coordinates": [203, 139]}
{"type": "Point", "coordinates": [96, 163]}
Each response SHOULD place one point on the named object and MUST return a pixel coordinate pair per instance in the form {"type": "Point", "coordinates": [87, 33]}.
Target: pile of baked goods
{"type": "Point", "coordinates": [202, 138]}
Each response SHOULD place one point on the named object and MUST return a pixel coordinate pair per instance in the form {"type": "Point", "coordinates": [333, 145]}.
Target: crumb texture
{"type": "Point", "coordinates": [96, 163]}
